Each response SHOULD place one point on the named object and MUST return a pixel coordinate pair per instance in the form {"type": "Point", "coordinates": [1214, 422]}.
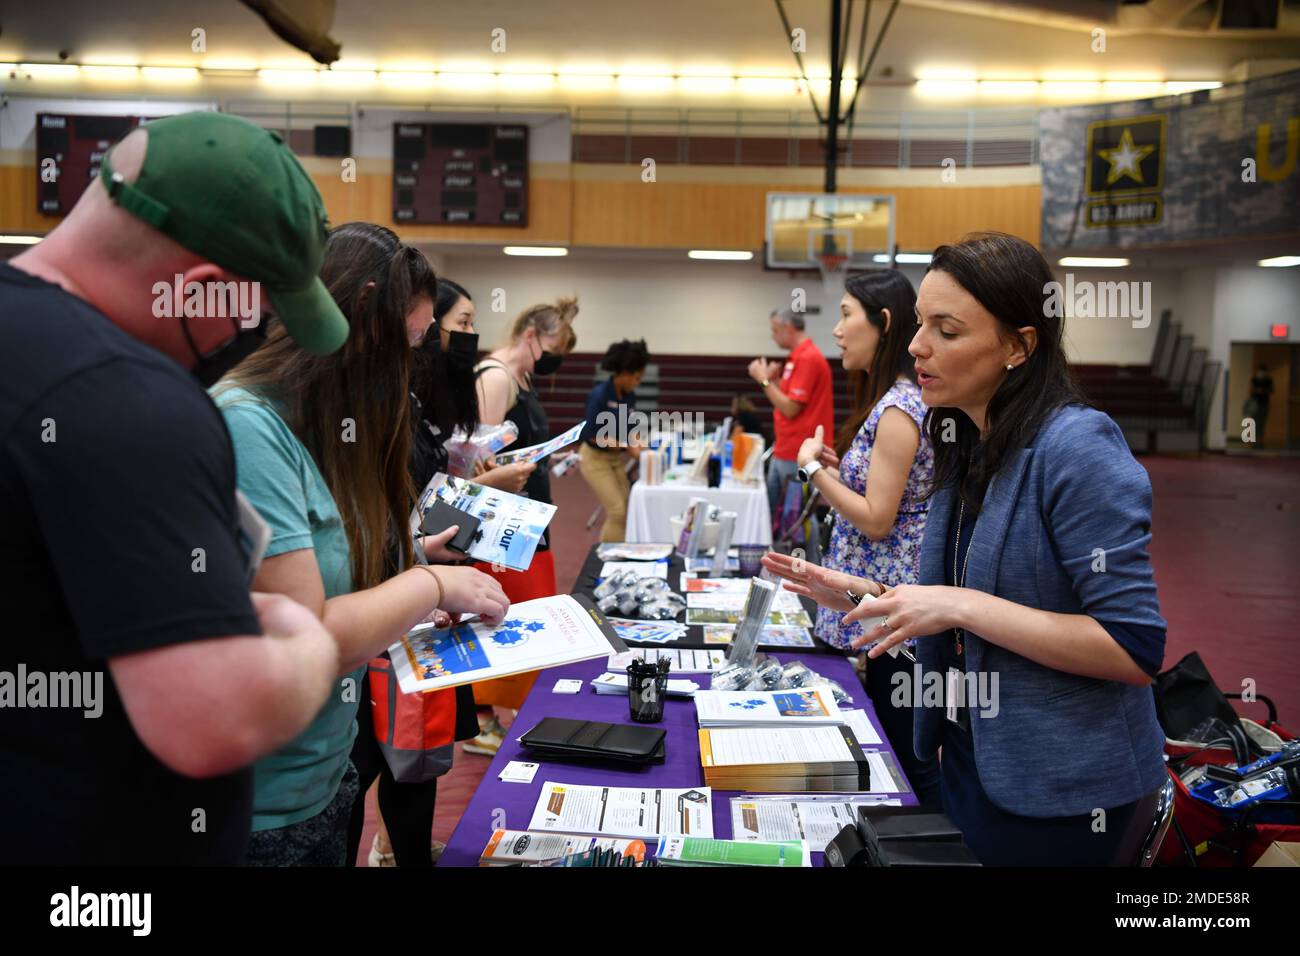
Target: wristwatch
{"type": "Point", "coordinates": [807, 471]}
{"type": "Point", "coordinates": [765, 383]}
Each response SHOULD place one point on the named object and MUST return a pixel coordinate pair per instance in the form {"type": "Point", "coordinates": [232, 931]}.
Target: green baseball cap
{"type": "Point", "coordinates": [232, 192]}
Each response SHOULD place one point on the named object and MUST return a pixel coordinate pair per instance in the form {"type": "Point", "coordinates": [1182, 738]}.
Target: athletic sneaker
{"type": "Point", "coordinates": [387, 859]}
{"type": "Point", "coordinates": [488, 742]}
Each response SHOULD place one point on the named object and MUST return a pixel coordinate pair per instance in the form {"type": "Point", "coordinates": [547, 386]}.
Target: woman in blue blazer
{"type": "Point", "coordinates": [1036, 600]}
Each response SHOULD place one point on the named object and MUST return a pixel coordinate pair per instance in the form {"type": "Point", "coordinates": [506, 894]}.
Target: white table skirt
{"type": "Point", "coordinates": [650, 509]}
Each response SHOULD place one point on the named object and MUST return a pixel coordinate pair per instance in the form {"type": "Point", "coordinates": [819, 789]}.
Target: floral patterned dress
{"type": "Point", "coordinates": [897, 558]}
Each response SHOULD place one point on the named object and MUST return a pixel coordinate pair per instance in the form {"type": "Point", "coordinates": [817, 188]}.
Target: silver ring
{"type": "Point", "coordinates": [885, 624]}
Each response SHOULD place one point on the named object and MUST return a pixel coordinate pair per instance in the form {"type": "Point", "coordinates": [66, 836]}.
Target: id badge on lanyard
{"type": "Point", "coordinates": [954, 698]}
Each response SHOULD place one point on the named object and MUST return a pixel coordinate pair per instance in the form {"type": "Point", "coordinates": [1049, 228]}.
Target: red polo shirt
{"type": "Point", "coordinates": [806, 379]}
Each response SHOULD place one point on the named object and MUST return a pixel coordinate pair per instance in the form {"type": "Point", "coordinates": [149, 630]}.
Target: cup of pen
{"type": "Point", "coordinates": [646, 686]}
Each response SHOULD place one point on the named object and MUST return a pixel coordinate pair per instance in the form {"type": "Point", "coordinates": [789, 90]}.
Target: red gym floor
{"type": "Point", "coordinates": [1226, 548]}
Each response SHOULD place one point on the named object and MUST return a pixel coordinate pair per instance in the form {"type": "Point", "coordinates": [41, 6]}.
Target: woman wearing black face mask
{"type": "Point", "coordinates": [539, 339]}
{"type": "Point", "coordinates": [445, 396]}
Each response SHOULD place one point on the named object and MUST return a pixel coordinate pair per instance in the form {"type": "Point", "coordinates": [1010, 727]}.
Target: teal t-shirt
{"type": "Point", "coordinates": [277, 474]}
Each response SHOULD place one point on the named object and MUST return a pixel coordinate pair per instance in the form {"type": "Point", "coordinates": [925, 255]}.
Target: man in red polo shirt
{"type": "Point", "coordinates": [800, 393]}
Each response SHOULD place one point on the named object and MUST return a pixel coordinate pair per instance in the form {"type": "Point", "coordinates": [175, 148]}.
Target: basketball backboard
{"type": "Point", "coordinates": [804, 229]}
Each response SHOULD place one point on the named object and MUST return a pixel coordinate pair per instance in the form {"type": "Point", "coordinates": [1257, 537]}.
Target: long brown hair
{"type": "Point", "coordinates": [877, 290]}
{"type": "Point", "coordinates": [1011, 279]}
{"type": "Point", "coordinates": [352, 409]}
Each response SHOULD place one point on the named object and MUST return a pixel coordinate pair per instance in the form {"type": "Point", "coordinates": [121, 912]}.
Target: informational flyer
{"type": "Point", "coordinates": [680, 660]}
{"type": "Point", "coordinates": [628, 812]}
{"type": "Point", "coordinates": [520, 846]}
{"type": "Point", "coordinates": [693, 851]}
{"type": "Point", "coordinates": [775, 618]}
{"type": "Point", "coordinates": [510, 526]}
{"type": "Point", "coordinates": [632, 551]}
{"type": "Point", "coordinates": [535, 634]}
{"type": "Point", "coordinates": [817, 819]}
{"type": "Point", "coordinates": [548, 447]}
{"type": "Point", "coordinates": [780, 636]}
{"type": "Point", "coordinates": [755, 708]}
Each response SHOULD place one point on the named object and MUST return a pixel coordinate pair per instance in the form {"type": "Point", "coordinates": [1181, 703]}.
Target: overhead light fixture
{"type": "Point", "coordinates": [736, 254]}
{"type": "Point", "coordinates": [467, 81]}
{"type": "Point", "coordinates": [19, 240]}
{"type": "Point", "coordinates": [119, 74]}
{"type": "Point", "coordinates": [170, 74]}
{"type": "Point", "coordinates": [640, 83]}
{"type": "Point", "coordinates": [407, 79]}
{"type": "Point", "coordinates": [586, 82]}
{"type": "Point", "coordinates": [49, 71]}
{"type": "Point", "coordinates": [535, 251]}
{"type": "Point", "coordinates": [1280, 262]}
{"type": "Point", "coordinates": [526, 81]}
{"type": "Point", "coordinates": [904, 258]}
{"type": "Point", "coordinates": [706, 84]}
{"type": "Point", "coordinates": [289, 77]}
{"type": "Point", "coordinates": [1086, 262]}
{"type": "Point", "coordinates": [1190, 86]}
{"type": "Point", "coordinates": [946, 88]}
{"type": "Point", "coordinates": [766, 85]}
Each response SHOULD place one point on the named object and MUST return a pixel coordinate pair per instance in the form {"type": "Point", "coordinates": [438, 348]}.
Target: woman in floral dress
{"type": "Point", "coordinates": [877, 483]}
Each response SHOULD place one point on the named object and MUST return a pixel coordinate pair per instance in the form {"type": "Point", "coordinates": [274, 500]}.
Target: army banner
{"type": "Point", "coordinates": [1215, 164]}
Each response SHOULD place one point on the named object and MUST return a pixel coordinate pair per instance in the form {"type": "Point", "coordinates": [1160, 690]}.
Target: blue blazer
{"type": "Point", "coordinates": [1059, 744]}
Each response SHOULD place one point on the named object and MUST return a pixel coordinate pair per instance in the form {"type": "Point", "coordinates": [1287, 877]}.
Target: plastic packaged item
{"type": "Point", "coordinates": [838, 692]}
{"type": "Point", "coordinates": [797, 674]}
{"type": "Point", "coordinates": [767, 675]}
{"type": "Point", "coordinates": [608, 604]}
{"type": "Point", "coordinates": [564, 465]}
{"type": "Point", "coordinates": [650, 589]}
{"type": "Point", "coordinates": [612, 584]}
{"type": "Point", "coordinates": [660, 611]}
{"type": "Point", "coordinates": [464, 450]}
{"type": "Point", "coordinates": [731, 677]}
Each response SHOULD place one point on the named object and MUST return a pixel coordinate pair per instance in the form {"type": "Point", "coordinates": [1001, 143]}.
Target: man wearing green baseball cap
{"type": "Point", "coordinates": [124, 539]}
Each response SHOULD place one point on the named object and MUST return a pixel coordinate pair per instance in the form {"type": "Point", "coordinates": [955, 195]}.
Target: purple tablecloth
{"type": "Point", "coordinates": [510, 805]}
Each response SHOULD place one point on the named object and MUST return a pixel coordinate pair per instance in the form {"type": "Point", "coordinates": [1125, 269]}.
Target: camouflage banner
{"type": "Point", "coordinates": [1216, 164]}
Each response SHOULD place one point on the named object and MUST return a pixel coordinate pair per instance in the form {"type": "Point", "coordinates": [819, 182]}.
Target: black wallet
{"type": "Point", "coordinates": [442, 516]}
{"type": "Point", "coordinates": [593, 739]}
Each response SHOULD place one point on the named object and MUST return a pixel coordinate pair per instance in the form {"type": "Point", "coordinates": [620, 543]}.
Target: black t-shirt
{"type": "Point", "coordinates": [115, 467]}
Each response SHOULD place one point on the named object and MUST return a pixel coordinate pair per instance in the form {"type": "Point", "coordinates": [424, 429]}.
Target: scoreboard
{"type": "Point", "coordinates": [69, 150]}
{"type": "Point", "coordinates": [460, 173]}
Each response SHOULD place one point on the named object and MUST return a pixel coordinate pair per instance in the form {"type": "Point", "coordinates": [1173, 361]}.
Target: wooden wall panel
{"type": "Point", "coordinates": [626, 212]}
{"type": "Point", "coordinates": [730, 216]}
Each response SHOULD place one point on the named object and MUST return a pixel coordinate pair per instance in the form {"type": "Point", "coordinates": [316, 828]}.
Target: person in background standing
{"type": "Point", "coordinates": [539, 339]}
{"type": "Point", "coordinates": [801, 397]}
{"type": "Point", "coordinates": [602, 451]}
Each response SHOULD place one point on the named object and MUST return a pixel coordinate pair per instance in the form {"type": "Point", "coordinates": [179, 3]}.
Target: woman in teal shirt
{"type": "Point", "coordinates": [322, 446]}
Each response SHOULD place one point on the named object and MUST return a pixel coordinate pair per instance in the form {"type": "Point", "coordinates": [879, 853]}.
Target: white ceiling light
{"type": "Point", "coordinates": [904, 258]}
{"type": "Point", "coordinates": [1280, 262]}
{"type": "Point", "coordinates": [1085, 262]}
{"type": "Point", "coordinates": [19, 240]}
{"type": "Point", "coordinates": [535, 251]}
{"type": "Point", "coordinates": [736, 255]}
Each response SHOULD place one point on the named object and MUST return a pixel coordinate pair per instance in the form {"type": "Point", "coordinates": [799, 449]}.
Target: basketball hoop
{"type": "Point", "coordinates": [832, 266]}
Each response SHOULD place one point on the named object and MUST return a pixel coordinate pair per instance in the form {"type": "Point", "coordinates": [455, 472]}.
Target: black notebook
{"type": "Point", "coordinates": [593, 739]}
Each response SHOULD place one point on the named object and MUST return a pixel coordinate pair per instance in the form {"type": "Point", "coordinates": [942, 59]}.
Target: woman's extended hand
{"type": "Point", "coordinates": [511, 478]}
{"type": "Point", "coordinates": [909, 610]}
{"type": "Point", "coordinates": [829, 459]}
{"type": "Point", "coordinates": [467, 590]}
{"type": "Point", "coordinates": [828, 588]}
{"type": "Point", "coordinates": [811, 449]}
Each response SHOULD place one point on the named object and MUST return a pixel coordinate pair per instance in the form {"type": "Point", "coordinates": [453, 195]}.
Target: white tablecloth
{"type": "Point", "coordinates": [651, 508]}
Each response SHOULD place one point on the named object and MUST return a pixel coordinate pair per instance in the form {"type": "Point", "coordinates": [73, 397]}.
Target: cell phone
{"type": "Point", "coordinates": [442, 516]}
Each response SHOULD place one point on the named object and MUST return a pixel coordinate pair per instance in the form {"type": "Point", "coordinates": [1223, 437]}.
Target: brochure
{"type": "Point", "coordinates": [541, 633]}
{"type": "Point", "coordinates": [693, 851]}
{"type": "Point", "coordinates": [802, 707]}
{"type": "Point", "coordinates": [510, 526]}
{"type": "Point", "coordinates": [548, 447]}
{"type": "Point", "coordinates": [681, 660]}
{"type": "Point", "coordinates": [815, 818]}
{"type": "Point", "coordinates": [520, 846]}
{"type": "Point", "coordinates": [629, 812]}
{"type": "Point", "coordinates": [632, 551]}
{"type": "Point", "coordinates": [780, 636]}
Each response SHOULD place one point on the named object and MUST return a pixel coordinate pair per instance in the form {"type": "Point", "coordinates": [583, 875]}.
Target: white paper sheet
{"type": "Point", "coordinates": [633, 812]}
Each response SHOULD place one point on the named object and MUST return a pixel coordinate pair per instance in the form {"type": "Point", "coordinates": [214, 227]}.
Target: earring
{"type": "Point", "coordinates": [1010, 367]}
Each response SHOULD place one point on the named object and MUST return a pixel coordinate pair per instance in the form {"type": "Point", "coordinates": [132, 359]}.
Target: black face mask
{"type": "Point", "coordinates": [462, 351]}
{"type": "Point", "coordinates": [209, 368]}
{"type": "Point", "coordinates": [547, 363]}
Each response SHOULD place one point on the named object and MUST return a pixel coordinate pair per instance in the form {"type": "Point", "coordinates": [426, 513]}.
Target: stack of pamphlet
{"type": "Point", "coordinates": [790, 759]}
{"type": "Point", "coordinates": [798, 707]}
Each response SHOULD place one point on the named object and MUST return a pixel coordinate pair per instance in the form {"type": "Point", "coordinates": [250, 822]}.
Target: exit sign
{"type": "Point", "coordinates": [1279, 330]}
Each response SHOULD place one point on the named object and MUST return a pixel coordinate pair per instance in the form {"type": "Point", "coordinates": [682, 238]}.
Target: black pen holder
{"type": "Point", "coordinates": [646, 686]}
